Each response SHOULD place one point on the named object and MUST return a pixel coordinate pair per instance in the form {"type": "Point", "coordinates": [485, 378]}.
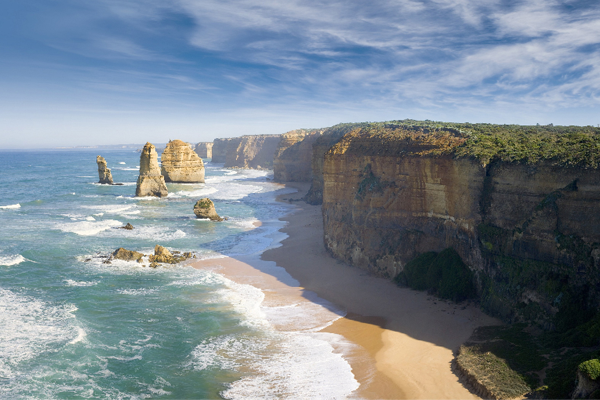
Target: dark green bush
{"type": "Point", "coordinates": [444, 274]}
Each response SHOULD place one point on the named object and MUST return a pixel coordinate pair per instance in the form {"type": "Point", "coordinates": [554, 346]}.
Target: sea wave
{"type": "Point", "coordinates": [89, 228]}
{"type": "Point", "coordinates": [11, 207]}
{"type": "Point", "coordinates": [12, 260]}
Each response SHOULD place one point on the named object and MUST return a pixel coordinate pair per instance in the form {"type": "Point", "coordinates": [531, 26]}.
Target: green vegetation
{"type": "Point", "coordinates": [562, 145]}
{"type": "Point", "coordinates": [591, 368]}
{"type": "Point", "coordinates": [369, 184]}
{"type": "Point", "coordinates": [492, 372]}
{"type": "Point", "coordinates": [443, 273]}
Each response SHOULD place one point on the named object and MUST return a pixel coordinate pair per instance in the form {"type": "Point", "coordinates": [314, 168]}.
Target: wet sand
{"type": "Point", "coordinates": [405, 338]}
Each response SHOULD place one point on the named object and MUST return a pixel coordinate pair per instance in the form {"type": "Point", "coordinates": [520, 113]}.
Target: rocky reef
{"type": "Point", "coordinates": [150, 181]}
{"type": "Point", "coordinates": [252, 151]}
{"type": "Point", "coordinates": [204, 149]}
{"type": "Point", "coordinates": [205, 208]}
{"type": "Point", "coordinates": [179, 163]}
{"type": "Point", "coordinates": [103, 171]}
{"type": "Point", "coordinates": [293, 157]}
{"type": "Point", "coordinates": [525, 220]}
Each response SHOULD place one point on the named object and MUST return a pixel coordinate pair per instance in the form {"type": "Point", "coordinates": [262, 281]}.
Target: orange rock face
{"type": "Point", "coordinates": [522, 229]}
{"type": "Point", "coordinates": [294, 155]}
{"type": "Point", "coordinates": [181, 164]}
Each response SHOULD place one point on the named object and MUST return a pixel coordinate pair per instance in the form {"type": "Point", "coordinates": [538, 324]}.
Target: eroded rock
{"type": "Point", "coordinates": [181, 164]}
{"type": "Point", "coordinates": [128, 227]}
{"type": "Point", "coordinates": [127, 255]}
{"type": "Point", "coordinates": [103, 171]}
{"type": "Point", "coordinates": [205, 208]}
{"type": "Point", "coordinates": [150, 182]}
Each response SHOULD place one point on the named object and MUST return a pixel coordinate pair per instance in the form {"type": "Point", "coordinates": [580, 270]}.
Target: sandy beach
{"type": "Point", "coordinates": [404, 339]}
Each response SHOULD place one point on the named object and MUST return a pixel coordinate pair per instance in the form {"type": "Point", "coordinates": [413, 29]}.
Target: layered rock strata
{"type": "Point", "coordinates": [529, 232]}
{"type": "Point", "coordinates": [150, 181]}
{"type": "Point", "coordinates": [252, 151]}
{"type": "Point", "coordinates": [204, 149]}
{"type": "Point", "coordinates": [320, 146]}
{"type": "Point", "coordinates": [179, 163]}
{"type": "Point", "coordinates": [205, 208]}
{"type": "Point", "coordinates": [293, 156]}
{"type": "Point", "coordinates": [103, 171]}
{"type": "Point", "coordinates": [219, 149]}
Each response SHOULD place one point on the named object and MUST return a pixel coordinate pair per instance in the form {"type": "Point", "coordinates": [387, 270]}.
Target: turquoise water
{"type": "Point", "coordinates": [73, 327]}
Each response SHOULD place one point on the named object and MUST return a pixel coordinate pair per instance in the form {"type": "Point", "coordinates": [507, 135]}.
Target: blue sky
{"type": "Point", "coordinates": [76, 72]}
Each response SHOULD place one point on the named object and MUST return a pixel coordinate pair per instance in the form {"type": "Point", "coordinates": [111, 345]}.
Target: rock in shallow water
{"type": "Point", "coordinates": [150, 182]}
{"type": "Point", "coordinates": [205, 208]}
{"type": "Point", "coordinates": [103, 171]}
{"type": "Point", "coordinates": [181, 164]}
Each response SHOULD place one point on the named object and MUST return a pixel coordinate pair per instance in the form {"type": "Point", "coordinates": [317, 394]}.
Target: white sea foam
{"type": "Point", "coordinates": [202, 192]}
{"type": "Point", "coordinates": [122, 162]}
{"type": "Point", "coordinates": [137, 292]}
{"type": "Point", "coordinates": [118, 209]}
{"type": "Point", "coordinates": [11, 207]}
{"type": "Point", "coordinates": [145, 232]}
{"type": "Point", "coordinates": [89, 228]}
{"type": "Point", "coordinates": [12, 260]}
{"type": "Point", "coordinates": [71, 282]}
{"type": "Point", "coordinates": [31, 327]}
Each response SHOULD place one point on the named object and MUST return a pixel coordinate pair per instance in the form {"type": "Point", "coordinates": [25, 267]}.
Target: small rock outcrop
{"type": "Point", "coordinates": [205, 208]}
{"type": "Point", "coordinates": [128, 227]}
{"type": "Point", "coordinates": [150, 182]}
{"type": "Point", "coordinates": [163, 256]}
{"type": "Point", "coordinates": [181, 164]}
{"type": "Point", "coordinates": [103, 171]}
{"type": "Point", "coordinates": [127, 255]}
{"type": "Point", "coordinates": [204, 149]}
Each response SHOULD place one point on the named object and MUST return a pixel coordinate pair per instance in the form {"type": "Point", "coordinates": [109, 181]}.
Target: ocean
{"type": "Point", "coordinates": [72, 326]}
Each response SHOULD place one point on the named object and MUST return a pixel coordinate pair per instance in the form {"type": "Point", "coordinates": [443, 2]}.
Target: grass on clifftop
{"type": "Point", "coordinates": [563, 145]}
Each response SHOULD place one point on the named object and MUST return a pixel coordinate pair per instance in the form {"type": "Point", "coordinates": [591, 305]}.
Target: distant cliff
{"type": "Point", "coordinates": [252, 151]}
{"type": "Point", "coordinates": [293, 156]}
{"type": "Point", "coordinates": [204, 149]}
{"type": "Point", "coordinates": [219, 150]}
{"type": "Point", "coordinates": [520, 205]}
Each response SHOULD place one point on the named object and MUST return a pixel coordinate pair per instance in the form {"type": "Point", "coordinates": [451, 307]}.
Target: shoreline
{"type": "Point", "coordinates": [404, 339]}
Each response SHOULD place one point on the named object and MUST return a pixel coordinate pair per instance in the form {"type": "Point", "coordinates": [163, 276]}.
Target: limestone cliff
{"type": "Point", "coordinates": [219, 150]}
{"type": "Point", "coordinates": [103, 171]}
{"type": "Point", "coordinates": [529, 230]}
{"type": "Point", "coordinates": [320, 146]}
{"type": "Point", "coordinates": [179, 163]}
{"type": "Point", "coordinates": [293, 156]}
{"type": "Point", "coordinates": [150, 182]}
{"type": "Point", "coordinates": [251, 151]}
{"type": "Point", "coordinates": [204, 149]}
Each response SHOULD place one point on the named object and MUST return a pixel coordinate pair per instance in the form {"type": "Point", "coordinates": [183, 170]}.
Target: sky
{"type": "Point", "coordinates": [97, 72]}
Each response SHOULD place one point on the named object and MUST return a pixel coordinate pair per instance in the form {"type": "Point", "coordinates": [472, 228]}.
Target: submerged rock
{"type": "Point", "coordinates": [127, 255]}
{"type": "Point", "coordinates": [150, 182]}
{"type": "Point", "coordinates": [128, 227]}
{"type": "Point", "coordinates": [163, 255]}
{"type": "Point", "coordinates": [103, 171]}
{"type": "Point", "coordinates": [181, 164]}
{"type": "Point", "coordinates": [205, 208]}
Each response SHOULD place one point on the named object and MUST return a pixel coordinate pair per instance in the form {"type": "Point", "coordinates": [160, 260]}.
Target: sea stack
{"type": "Point", "coordinates": [150, 182]}
{"type": "Point", "coordinates": [103, 171]}
{"type": "Point", "coordinates": [205, 208]}
{"type": "Point", "coordinates": [181, 164]}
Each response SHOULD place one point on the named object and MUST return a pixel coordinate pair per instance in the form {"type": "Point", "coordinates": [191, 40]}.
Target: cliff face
{"type": "Point", "coordinates": [530, 233]}
{"type": "Point", "coordinates": [293, 156]}
{"type": "Point", "coordinates": [104, 174]}
{"type": "Point", "coordinates": [320, 146]}
{"type": "Point", "coordinates": [204, 149]}
{"type": "Point", "coordinates": [219, 149]}
{"type": "Point", "coordinates": [251, 151]}
{"type": "Point", "coordinates": [181, 164]}
{"type": "Point", "coordinates": [150, 182]}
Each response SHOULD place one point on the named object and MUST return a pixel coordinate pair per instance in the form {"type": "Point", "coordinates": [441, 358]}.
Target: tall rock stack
{"type": "Point", "coordinates": [204, 149]}
{"type": "Point", "coordinates": [103, 171]}
{"type": "Point", "coordinates": [181, 164]}
{"type": "Point", "coordinates": [150, 182]}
